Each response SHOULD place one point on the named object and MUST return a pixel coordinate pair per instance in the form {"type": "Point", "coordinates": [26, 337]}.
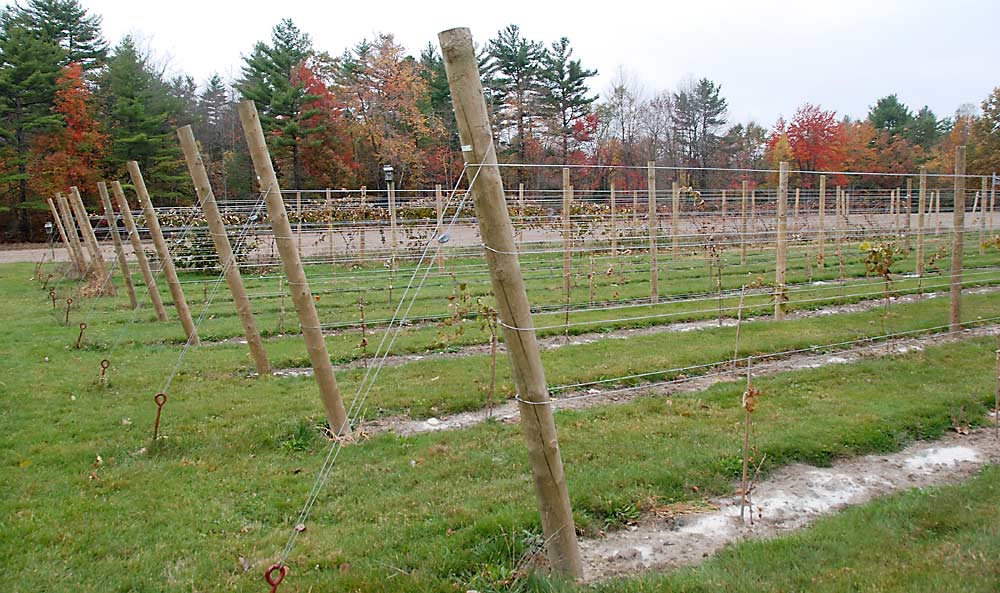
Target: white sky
{"type": "Point", "coordinates": [768, 56]}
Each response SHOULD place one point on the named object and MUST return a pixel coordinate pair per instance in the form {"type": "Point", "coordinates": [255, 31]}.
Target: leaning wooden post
{"type": "Point", "coordinates": [230, 265]}
{"type": "Point", "coordinates": [74, 263]}
{"type": "Point", "coordinates": [958, 241]}
{"type": "Point", "coordinates": [140, 254]}
{"type": "Point", "coordinates": [302, 298]}
{"type": "Point", "coordinates": [781, 243]}
{"type": "Point", "coordinates": [558, 530]}
{"type": "Point", "coordinates": [614, 221]}
{"type": "Point", "coordinates": [821, 235]}
{"type": "Point", "coordinates": [163, 252]}
{"type": "Point", "coordinates": [439, 208]}
{"type": "Point", "coordinates": [921, 204]}
{"type": "Point", "coordinates": [69, 222]}
{"type": "Point", "coordinates": [90, 239]}
{"type": "Point", "coordinates": [675, 216]}
{"type": "Point", "coordinates": [109, 214]}
{"type": "Point", "coordinates": [743, 225]}
{"type": "Point", "coordinates": [654, 272]}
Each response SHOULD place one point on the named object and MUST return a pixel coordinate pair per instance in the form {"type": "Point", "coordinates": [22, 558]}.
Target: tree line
{"type": "Point", "coordinates": [74, 109]}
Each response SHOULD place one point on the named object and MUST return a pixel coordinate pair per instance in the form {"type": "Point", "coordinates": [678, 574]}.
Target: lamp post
{"type": "Point", "coordinates": [391, 185]}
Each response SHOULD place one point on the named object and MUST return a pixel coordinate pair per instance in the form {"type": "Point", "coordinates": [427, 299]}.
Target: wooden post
{"type": "Point", "coordinates": [982, 217]}
{"type": "Point", "coordinates": [298, 214]}
{"type": "Point", "coordinates": [559, 532]}
{"type": "Point", "coordinates": [520, 206]}
{"type": "Point", "coordinates": [797, 190]}
{"type": "Point", "coordinates": [74, 236]}
{"type": "Point", "coordinates": [90, 239]}
{"type": "Point", "coordinates": [635, 209]}
{"type": "Point", "coordinates": [302, 298]}
{"type": "Point", "coordinates": [723, 204]}
{"type": "Point", "coordinates": [654, 272]}
{"type": "Point", "coordinates": [821, 235]}
{"type": "Point", "coordinates": [393, 233]}
{"type": "Point", "coordinates": [743, 226]}
{"type": "Point", "coordinates": [958, 241]}
{"type": "Point", "coordinates": [781, 243]}
{"type": "Point", "coordinates": [230, 265]}
{"type": "Point", "coordinates": [163, 252]}
{"type": "Point", "coordinates": [675, 216]}
{"type": "Point", "coordinates": [364, 227]}
{"type": "Point", "coordinates": [329, 229]}
{"type": "Point", "coordinates": [993, 199]}
{"type": "Point", "coordinates": [109, 214]}
{"type": "Point", "coordinates": [140, 254]}
{"type": "Point", "coordinates": [908, 225]}
{"type": "Point", "coordinates": [921, 205]}
{"type": "Point", "coordinates": [937, 213]}
{"type": "Point", "coordinates": [75, 265]}
{"type": "Point", "coordinates": [614, 222]}
{"type": "Point", "coordinates": [567, 205]}
{"type": "Point", "coordinates": [439, 207]}
{"type": "Point", "coordinates": [898, 194]}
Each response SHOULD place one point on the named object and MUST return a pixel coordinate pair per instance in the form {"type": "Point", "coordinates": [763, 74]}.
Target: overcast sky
{"type": "Point", "coordinates": [769, 57]}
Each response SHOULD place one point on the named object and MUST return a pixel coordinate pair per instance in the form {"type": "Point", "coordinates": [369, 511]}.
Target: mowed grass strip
{"type": "Point", "coordinates": [434, 512]}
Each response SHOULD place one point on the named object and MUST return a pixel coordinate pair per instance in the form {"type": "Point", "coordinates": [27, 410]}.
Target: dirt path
{"type": "Point", "coordinates": [508, 411]}
{"type": "Point", "coordinates": [795, 496]}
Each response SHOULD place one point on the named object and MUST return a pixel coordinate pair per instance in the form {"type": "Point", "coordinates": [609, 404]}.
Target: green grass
{"type": "Point", "coordinates": [429, 513]}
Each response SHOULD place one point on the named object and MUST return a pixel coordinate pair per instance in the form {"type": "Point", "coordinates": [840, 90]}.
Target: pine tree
{"type": "Point", "coordinates": [565, 92]}
{"type": "Point", "coordinates": [891, 115]}
{"type": "Point", "coordinates": [67, 24]}
{"type": "Point", "coordinates": [514, 78]}
{"type": "Point", "coordinates": [29, 67]}
{"type": "Point", "coordinates": [143, 115]}
{"type": "Point", "coordinates": [269, 79]}
{"type": "Point", "coordinates": [699, 113]}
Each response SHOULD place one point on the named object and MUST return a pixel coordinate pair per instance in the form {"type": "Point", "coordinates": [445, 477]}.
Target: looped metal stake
{"type": "Point", "coordinates": [104, 369]}
{"type": "Point", "coordinates": [160, 399]}
{"type": "Point", "coordinates": [69, 303]}
{"type": "Point", "coordinates": [79, 338]}
{"type": "Point", "coordinates": [52, 295]}
{"type": "Point", "coordinates": [275, 579]}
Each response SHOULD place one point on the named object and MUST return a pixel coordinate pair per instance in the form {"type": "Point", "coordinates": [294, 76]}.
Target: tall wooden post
{"type": "Point", "coordinates": [743, 225]}
{"type": "Point", "coordinates": [797, 191]}
{"type": "Point", "coordinates": [522, 222]}
{"type": "Point", "coordinates": [439, 209]}
{"type": "Point", "coordinates": [329, 230]}
{"type": "Point", "coordinates": [567, 205]}
{"type": "Point", "coordinates": [675, 216]}
{"type": "Point", "coordinates": [298, 214]}
{"type": "Point", "coordinates": [654, 272]}
{"type": "Point", "coordinates": [559, 532]}
{"type": "Point", "coordinates": [393, 232]}
{"type": "Point", "coordinates": [937, 213]}
{"type": "Point", "coordinates": [821, 235]}
{"type": "Point", "coordinates": [908, 226]}
{"type": "Point", "coordinates": [614, 221]}
{"type": "Point", "coordinates": [364, 226]}
{"type": "Point", "coordinates": [781, 243]}
{"type": "Point", "coordinates": [140, 254]}
{"type": "Point", "coordinates": [897, 192]}
{"type": "Point", "coordinates": [993, 199]}
{"type": "Point", "coordinates": [230, 265]}
{"type": "Point", "coordinates": [958, 241]}
{"type": "Point", "coordinates": [163, 252]}
{"type": "Point", "coordinates": [305, 306]}
{"type": "Point", "coordinates": [90, 239]}
{"type": "Point", "coordinates": [982, 217]}
{"type": "Point", "coordinates": [921, 205]}
{"type": "Point", "coordinates": [723, 204]}
{"type": "Point", "coordinates": [75, 265]}
{"type": "Point", "coordinates": [635, 209]}
{"type": "Point", "coordinates": [109, 214]}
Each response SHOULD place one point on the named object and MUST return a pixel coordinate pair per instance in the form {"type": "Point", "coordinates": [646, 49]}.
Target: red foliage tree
{"type": "Point", "coordinates": [70, 155]}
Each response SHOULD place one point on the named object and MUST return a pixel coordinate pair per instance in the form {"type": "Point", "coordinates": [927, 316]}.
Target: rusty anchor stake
{"type": "Point", "coordinates": [69, 303]}
{"type": "Point", "coordinates": [52, 295]}
{"type": "Point", "coordinates": [160, 399]}
{"type": "Point", "coordinates": [79, 338]}
{"type": "Point", "coordinates": [104, 370]}
{"type": "Point", "coordinates": [274, 575]}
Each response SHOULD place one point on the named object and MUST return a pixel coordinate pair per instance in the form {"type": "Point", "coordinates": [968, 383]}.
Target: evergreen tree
{"type": "Point", "coordinates": [67, 24]}
{"type": "Point", "coordinates": [565, 94]}
{"type": "Point", "coordinates": [270, 80]}
{"type": "Point", "coordinates": [926, 129]}
{"type": "Point", "coordinates": [514, 78]}
{"type": "Point", "coordinates": [143, 117]}
{"type": "Point", "coordinates": [29, 66]}
{"type": "Point", "coordinates": [699, 113]}
{"type": "Point", "coordinates": [891, 115]}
